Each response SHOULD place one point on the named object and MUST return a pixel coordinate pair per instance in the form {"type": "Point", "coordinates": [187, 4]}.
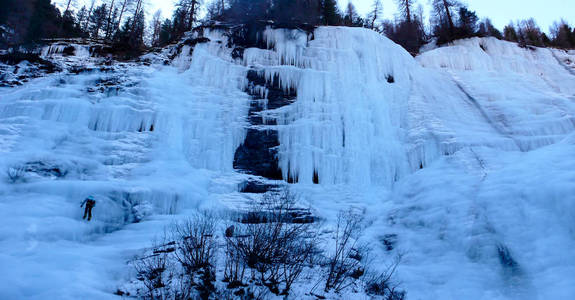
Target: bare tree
{"type": "Point", "coordinates": [443, 8]}
{"type": "Point", "coordinates": [405, 7]}
{"type": "Point", "coordinates": [196, 247]}
{"type": "Point", "coordinates": [156, 25]}
{"type": "Point", "coordinates": [351, 17]}
{"type": "Point", "coordinates": [376, 13]}
{"type": "Point", "coordinates": [189, 11]}
{"type": "Point", "coordinates": [126, 4]}
{"type": "Point", "coordinates": [69, 4]}
{"type": "Point", "coordinates": [110, 21]}
{"type": "Point", "coordinates": [529, 33]}
{"type": "Point", "coordinates": [181, 265]}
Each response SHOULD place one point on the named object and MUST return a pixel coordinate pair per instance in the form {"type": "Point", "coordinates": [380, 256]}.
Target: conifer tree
{"type": "Point", "coordinates": [330, 13]}
{"type": "Point", "coordinates": [509, 33]}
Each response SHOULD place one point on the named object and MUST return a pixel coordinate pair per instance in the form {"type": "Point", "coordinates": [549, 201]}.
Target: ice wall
{"type": "Point", "coordinates": [368, 113]}
{"type": "Point", "coordinates": [460, 156]}
{"type": "Point", "coordinates": [525, 92]}
{"type": "Point", "coordinates": [145, 141]}
{"type": "Point", "coordinates": [345, 124]}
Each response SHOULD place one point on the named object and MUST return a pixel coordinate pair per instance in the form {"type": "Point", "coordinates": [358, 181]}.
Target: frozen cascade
{"type": "Point", "coordinates": [145, 141]}
{"type": "Point", "coordinates": [461, 157]}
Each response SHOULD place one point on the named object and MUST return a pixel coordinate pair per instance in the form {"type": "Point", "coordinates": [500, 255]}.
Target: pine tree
{"type": "Point", "coordinates": [467, 22]}
{"type": "Point", "coordinates": [44, 21]}
{"type": "Point", "coordinates": [296, 11]}
{"type": "Point", "coordinates": [486, 28]}
{"type": "Point", "coordinates": [509, 33]}
{"type": "Point", "coordinates": [189, 12]}
{"type": "Point", "coordinates": [68, 28]}
{"type": "Point", "coordinates": [330, 13]}
{"type": "Point", "coordinates": [81, 16]}
{"type": "Point", "coordinates": [562, 35]}
{"type": "Point", "coordinates": [98, 20]}
{"type": "Point", "coordinates": [165, 33]}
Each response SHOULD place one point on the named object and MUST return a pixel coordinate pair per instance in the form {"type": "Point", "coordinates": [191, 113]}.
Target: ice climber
{"type": "Point", "coordinates": [90, 203]}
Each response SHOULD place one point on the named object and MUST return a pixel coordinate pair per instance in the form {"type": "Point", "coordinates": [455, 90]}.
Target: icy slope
{"type": "Point", "coordinates": [528, 93]}
{"type": "Point", "coordinates": [480, 202]}
{"type": "Point", "coordinates": [145, 141]}
{"type": "Point", "coordinates": [460, 158]}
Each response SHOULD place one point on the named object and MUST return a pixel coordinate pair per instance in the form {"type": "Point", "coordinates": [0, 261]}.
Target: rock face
{"type": "Point", "coordinates": [258, 154]}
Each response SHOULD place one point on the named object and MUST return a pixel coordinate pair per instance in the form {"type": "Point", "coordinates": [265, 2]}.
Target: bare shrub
{"type": "Point", "coordinates": [196, 246]}
{"type": "Point", "coordinates": [383, 284]}
{"type": "Point", "coordinates": [182, 266]}
{"type": "Point", "coordinates": [274, 248]}
{"type": "Point", "coordinates": [235, 268]}
{"type": "Point", "coordinates": [154, 272]}
{"type": "Point", "coordinates": [196, 243]}
{"type": "Point", "coordinates": [344, 264]}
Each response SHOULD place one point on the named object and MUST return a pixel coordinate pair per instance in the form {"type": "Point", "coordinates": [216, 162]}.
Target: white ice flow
{"type": "Point", "coordinates": [461, 158]}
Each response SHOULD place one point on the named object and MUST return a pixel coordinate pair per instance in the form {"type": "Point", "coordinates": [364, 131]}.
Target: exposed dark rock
{"type": "Point", "coordinates": [294, 216]}
{"type": "Point", "coordinates": [194, 42]}
{"type": "Point", "coordinates": [45, 169]}
{"type": "Point", "coordinates": [238, 52]}
{"type": "Point", "coordinates": [389, 241]}
{"type": "Point", "coordinates": [505, 257]}
{"type": "Point", "coordinates": [256, 187]}
{"type": "Point", "coordinates": [80, 69]}
{"type": "Point", "coordinates": [15, 58]}
{"type": "Point", "coordinates": [258, 154]}
{"type": "Point", "coordinates": [69, 50]}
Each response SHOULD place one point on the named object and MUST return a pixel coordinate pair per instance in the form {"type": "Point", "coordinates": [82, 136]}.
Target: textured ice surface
{"type": "Point", "coordinates": [461, 158]}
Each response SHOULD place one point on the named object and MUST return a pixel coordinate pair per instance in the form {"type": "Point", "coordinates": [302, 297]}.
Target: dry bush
{"type": "Point", "coordinates": [154, 272]}
{"type": "Point", "coordinates": [196, 243]}
{"type": "Point", "coordinates": [196, 246]}
{"type": "Point", "coordinates": [182, 266]}
{"type": "Point", "coordinates": [383, 284]}
{"type": "Point", "coordinates": [344, 264]}
{"type": "Point", "coordinates": [273, 248]}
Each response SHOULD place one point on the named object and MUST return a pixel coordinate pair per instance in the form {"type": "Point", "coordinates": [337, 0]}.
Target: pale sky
{"type": "Point", "coordinates": [501, 12]}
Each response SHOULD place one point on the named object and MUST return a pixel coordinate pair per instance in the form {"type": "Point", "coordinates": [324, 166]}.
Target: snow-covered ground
{"type": "Point", "coordinates": [462, 156]}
